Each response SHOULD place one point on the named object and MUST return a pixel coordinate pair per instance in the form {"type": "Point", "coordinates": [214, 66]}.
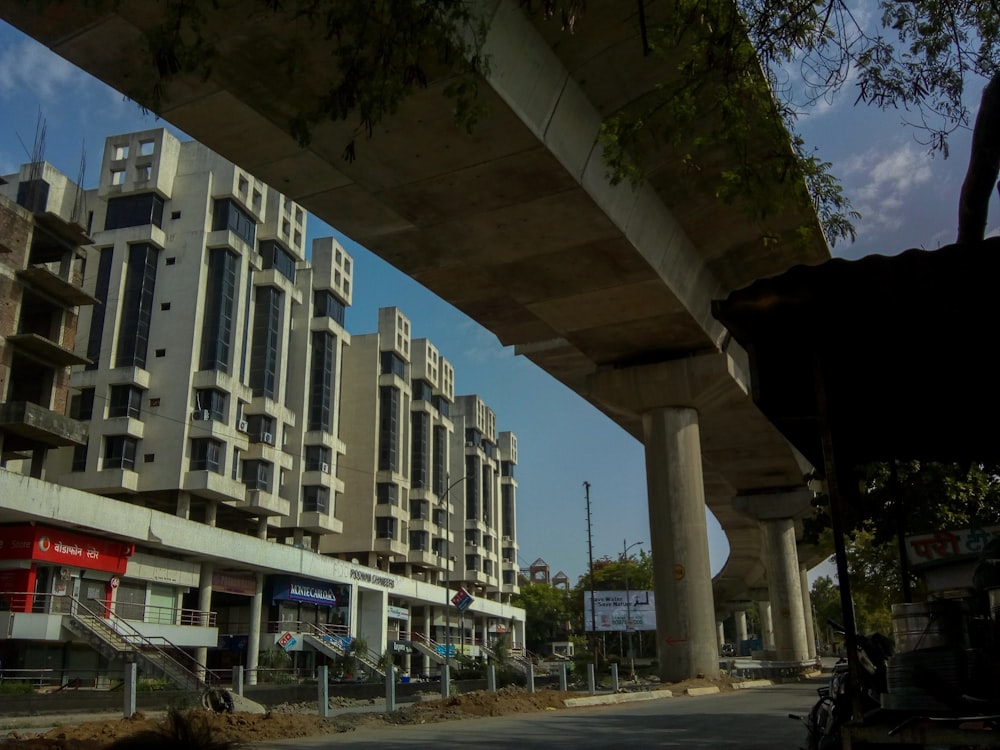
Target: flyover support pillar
{"type": "Point", "coordinates": [740, 616]}
{"type": "Point", "coordinates": [685, 611]}
{"type": "Point", "coordinates": [808, 613]}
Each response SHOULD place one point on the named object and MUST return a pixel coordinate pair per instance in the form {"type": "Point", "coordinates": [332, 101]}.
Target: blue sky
{"type": "Point", "coordinates": [907, 199]}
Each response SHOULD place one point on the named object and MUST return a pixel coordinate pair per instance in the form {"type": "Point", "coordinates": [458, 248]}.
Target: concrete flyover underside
{"type": "Point", "coordinates": [516, 224]}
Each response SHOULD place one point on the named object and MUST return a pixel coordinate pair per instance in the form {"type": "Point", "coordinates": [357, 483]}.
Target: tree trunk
{"type": "Point", "coordinates": [984, 165]}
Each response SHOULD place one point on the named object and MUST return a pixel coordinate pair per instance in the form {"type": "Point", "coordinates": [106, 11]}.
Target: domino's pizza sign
{"type": "Point", "coordinates": [462, 600]}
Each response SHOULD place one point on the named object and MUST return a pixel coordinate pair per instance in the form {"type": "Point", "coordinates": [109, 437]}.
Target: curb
{"type": "Point", "coordinates": [601, 700]}
{"type": "Point", "coordinates": [702, 690]}
{"type": "Point", "coordinates": [752, 684]}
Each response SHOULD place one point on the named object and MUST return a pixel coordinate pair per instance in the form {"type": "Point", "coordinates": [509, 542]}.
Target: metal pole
{"type": "Point", "coordinates": [590, 557]}
{"type": "Point", "coordinates": [447, 575]}
{"type": "Point", "coordinates": [628, 607]}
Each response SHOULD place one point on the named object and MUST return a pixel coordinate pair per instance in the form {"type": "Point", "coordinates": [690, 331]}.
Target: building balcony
{"type": "Point", "coordinates": [477, 577]}
{"type": "Point", "coordinates": [322, 478]}
{"type": "Point", "coordinates": [28, 425]}
{"type": "Point", "coordinates": [318, 523]}
{"type": "Point", "coordinates": [264, 503]}
{"type": "Point", "coordinates": [137, 376]}
{"type": "Point", "coordinates": [124, 426]}
{"type": "Point", "coordinates": [103, 482]}
{"type": "Point", "coordinates": [326, 439]}
{"type": "Point", "coordinates": [209, 484]}
{"type": "Point", "coordinates": [274, 277]}
{"type": "Point", "coordinates": [133, 235]}
{"type": "Point", "coordinates": [222, 381]}
{"type": "Point", "coordinates": [422, 524]}
{"type": "Point", "coordinates": [45, 280]}
{"type": "Point", "coordinates": [422, 557]}
{"type": "Point", "coordinates": [393, 547]}
{"type": "Point", "coordinates": [231, 240]}
{"type": "Point", "coordinates": [45, 350]}
{"type": "Point", "coordinates": [389, 510]}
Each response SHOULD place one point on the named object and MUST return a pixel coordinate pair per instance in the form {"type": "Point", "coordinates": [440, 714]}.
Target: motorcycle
{"type": "Point", "coordinates": [835, 706]}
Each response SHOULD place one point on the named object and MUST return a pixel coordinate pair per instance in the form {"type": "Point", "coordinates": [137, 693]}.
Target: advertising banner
{"type": "Point", "coordinates": [52, 545]}
{"type": "Point", "coordinates": [616, 612]}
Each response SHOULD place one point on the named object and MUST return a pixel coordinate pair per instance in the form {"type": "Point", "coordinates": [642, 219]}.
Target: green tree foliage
{"type": "Point", "coordinates": [547, 613]}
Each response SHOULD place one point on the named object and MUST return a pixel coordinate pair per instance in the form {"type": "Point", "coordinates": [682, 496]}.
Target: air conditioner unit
{"type": "Point", "coordinates": [473, 544]}
{"type": "Point", "coordinates": [202, 414]}
{"type": "Point", "coordinates": [242, 426]}
{"type": "Point", "coordinates": [325, 468]}
{"type": "Point", "coordinates": [506, 538]}
{"type": "Point", "coordinates": [507, 561]}
{"type": "Point", "coordinates": [267, 437]}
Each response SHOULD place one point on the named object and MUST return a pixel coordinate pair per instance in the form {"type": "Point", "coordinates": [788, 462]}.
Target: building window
{"type": "Point", "coordinates": [134, 211]}
{"type": "Point", "coordinates": [213, 401]}
{"type": "Point", "coordinates": [507, 508]}
{"type": "Point", "coordinates": [393, 364]}
{"type": "Point", "coordinates": [120, 452]}
{"type": "Point", "coordinates": [442, 405]}
{"type": "Point", "coordinates": [422, 390]}
{"type": "Point", "coordinates": [440, 457]}
{"type": "Point", "coordinates": [507, 469]}
{"type": "Point", "coordinates": [82, 405]}
{"type": "Point", "coordinates": [207, 455]}
{"type": "Point", "coordinates": [324, 363]}
{"type": "Point", "coordinates": [315, 499]}
{"type": "Point", "coordinates": [220, 305]}
{"type": "Point", "coordinates": [257, 475]}
{"type": "Point", "coordinates": [419, 510]}
{"type": "Point", "coordinates": [387, 493]}
{"type": "Point", "coordinates": [385, 528]}
{"type": "Point", "coordinates": [388, 438]}
{"type": "Point", "coordinates": [264, 350]}
{"type": "Point", "coordinates": [125, 401]}
{"type": "Point", "coordinates": [420, 453]}
{"type": "Point", "coordinates": [226, 214]}
{"type": "Point", "coordinates": [418, 541]}
{"type": "Point", "coordinates": [318, 458]}
{"type": "Point", "coordinates": [261, 428]}
{"type": "Point", "coordinates": [327, 305]}
{"type": "Point", "coordinates": [137, 306]}
{"type": "Point", "coordinates": [79, 458]}
{"type": "Point", "coordinates": [96, 333]}
{"type": "Point", "coordinates": [471, 488]}
{"type": "Point", "coordinates": [273, 255]}
{"type": "Point", "coordinates": [472, 563]}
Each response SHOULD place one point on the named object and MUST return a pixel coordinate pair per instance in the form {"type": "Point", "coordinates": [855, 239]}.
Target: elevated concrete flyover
{"type": "Point", "coordinates": [606, 288]}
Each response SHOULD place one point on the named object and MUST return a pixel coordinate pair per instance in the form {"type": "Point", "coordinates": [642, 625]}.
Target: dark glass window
{"type": "Point", "coordinates": [393, 364]}
{"type": "Point", "coordinates": [207, 455]}
{"type": "Point", "coordinates": [261, 428]}
{"type": "Point", "coordinates": [472, 562]}
{"type": "Point", "coordinates": [440, 457]}
{"type": "Point", "coordinates": [137, 306]}
{"type": "Point", "coordinates": [79, 458]}
{"type": "Point", "coordinates": [507, 505]}
{"type": "Point", "coordinates": [96, 333]}
{"type": "Point", "coordinates": [119, 452]}
{"type": "Point", "coordinates": [264, 350]}
{"type": "Point", "coordinates": [82, 405]}
{"type": "Point", "coordinates": [442, 405]}
{"type": "Point", "coordinates": [257, 475]}
{"type": "Point", "coordinates": [385, 528]}
{"type": "Point", "coordinates": [324, 362]}
{"type": "Point", "coordinates": [315, 499]}
{"type": "Point", "coordinates": [388, 428]}
{"type": "Point", "coordinates": [273, 255]}
{"type": "Point", "coordinates": [422, 390]}
{"type": "Point", "coordinates": [387, 493]}
{"type": "Point", "coordinates": [220, 306]}
{"type": "Point", "coordinates": [418, 541]}
{"type": "Point", "coordinates": [507, 468]}
{"type": "Point", "coordinates": [473, 436]}
{"type": "Point", "coordinates": [213, 401]}
{"type": "Point", "coordinates": [471, 488]}
{"type": "Point", "coordinates": [318, 458]}
{"type": "Point", "coordinates": [134, 211]}
{"type": "Point", "coordinates": [327, 305]}
{"type": "Point", "coordinates": [125, 401]}
{"type": "Point", "coordinates": [420, 449]}
{"type": "Point", "coordinates": [419, 510]}
{"type": "Point", "coordinates": [227, 214]}
{"type": "Point", "coordinates": [487, 515]}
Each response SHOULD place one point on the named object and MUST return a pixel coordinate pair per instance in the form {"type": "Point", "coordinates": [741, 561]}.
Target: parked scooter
{"type": "Point", "coordinates": [835, 706]}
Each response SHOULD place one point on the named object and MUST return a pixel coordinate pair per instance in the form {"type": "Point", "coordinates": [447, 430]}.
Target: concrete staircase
{"type": "Point", "coordinates": [336, 646]}
{"type": "Point", "coordinates": [116, 638]}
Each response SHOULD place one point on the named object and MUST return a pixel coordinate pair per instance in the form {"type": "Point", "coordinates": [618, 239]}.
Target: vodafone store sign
{"type": "Point", "coordinates": [61, 547]}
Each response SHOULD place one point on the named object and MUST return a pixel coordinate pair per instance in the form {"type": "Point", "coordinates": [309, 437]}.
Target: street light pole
{"type": "Point", "coordinates": [447, 566]}
{"type": "Point", "coordinates": [628, 606]}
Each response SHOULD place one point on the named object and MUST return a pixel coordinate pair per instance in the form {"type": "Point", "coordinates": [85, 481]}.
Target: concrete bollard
{"type": "Point", "coordinates": [323, 690]}
{"type": "Point", "coordinates": [614, 678]}
{"type": "Point", "coordinates": [564, 677]}
{"type": "Point", "coordinates": [591, 681]}
{"type": "Point", "coordinates": [128, 707]}
{"type": "Point", "coordinates": [390, 688]}
{"type": "Point", "coordinates": [238, 679]}
{"type": "Point", "coordinates": [491, 678]}
{"type": "Point", "coordinates": [445, 680]}
{"type": "Point", "coordinates": [531, 678]}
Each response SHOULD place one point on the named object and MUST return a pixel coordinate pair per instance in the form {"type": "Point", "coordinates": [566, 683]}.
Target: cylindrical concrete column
{"type": "Point", "coordinates": [682, 577]}
{"type": "Point", "coordinates": [766, 627]}
{"type": "Point", "coordinates": [807, 612]}
{"type": "Point", "coordinates": [740, 616]}
{"type": "Point", "coordinates": [253, 639]}
{"type": "Point", "coordinates": [720, 629]}
{"type": "Point", "coordinates": [204, 606]}
{"type": "Point", "coordinates": [785, 587]}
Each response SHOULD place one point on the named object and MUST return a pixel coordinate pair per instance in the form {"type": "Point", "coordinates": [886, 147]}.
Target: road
{"type": "Point", "coordinates": [754, 719]}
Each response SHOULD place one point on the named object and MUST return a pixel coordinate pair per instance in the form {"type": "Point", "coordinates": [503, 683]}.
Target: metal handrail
{"type": "Point", "coordinates": [18, 602]}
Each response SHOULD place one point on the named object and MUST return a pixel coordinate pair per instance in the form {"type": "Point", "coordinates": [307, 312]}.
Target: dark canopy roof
{"type": "Point", "coordinates": [906, 345]}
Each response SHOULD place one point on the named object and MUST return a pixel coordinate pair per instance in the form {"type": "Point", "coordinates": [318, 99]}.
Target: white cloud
{"type": "Point", "coordinates": [28, 66]}
{"type": "Point", "coordinates": [880, 184]}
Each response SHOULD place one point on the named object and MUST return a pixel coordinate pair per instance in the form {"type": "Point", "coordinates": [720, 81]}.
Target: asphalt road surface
{"type": "Point", "coordinates": [754, 719]}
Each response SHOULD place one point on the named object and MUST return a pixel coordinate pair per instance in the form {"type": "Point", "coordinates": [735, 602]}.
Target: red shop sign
{"type": "Point", "coordinates": [62, 547]}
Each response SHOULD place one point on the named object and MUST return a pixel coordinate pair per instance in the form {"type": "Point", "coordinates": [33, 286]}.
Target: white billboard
{"type": "Point", "coordinates": [616, 612]}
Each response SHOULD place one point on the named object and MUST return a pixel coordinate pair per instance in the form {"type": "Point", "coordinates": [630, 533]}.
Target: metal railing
{"type": "Point", "coordinates": [59, 604]}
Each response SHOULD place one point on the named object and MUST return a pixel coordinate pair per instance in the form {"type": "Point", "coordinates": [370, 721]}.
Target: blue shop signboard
{"type": "Point", "coordinates": [303, 590]}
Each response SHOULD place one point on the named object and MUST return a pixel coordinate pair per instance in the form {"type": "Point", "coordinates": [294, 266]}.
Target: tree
{"type": "Point", "coordinates": [547, 613]}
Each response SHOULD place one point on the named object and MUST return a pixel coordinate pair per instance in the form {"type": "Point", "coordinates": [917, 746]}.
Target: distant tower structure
{"type": "Point", "coordinates": [560, 581]}
{"type": "Point", "coordinates": [538, 572]}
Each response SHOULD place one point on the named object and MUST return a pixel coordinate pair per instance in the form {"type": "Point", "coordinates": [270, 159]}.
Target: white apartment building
{"type": "Point", "coordinates": [209, 376]}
